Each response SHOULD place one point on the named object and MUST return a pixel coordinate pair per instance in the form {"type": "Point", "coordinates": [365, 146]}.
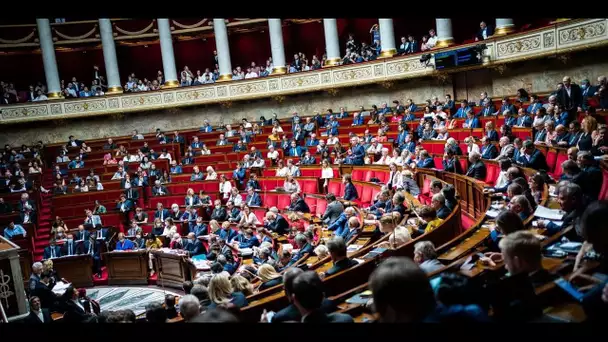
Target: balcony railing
{"type": "Point", "coordinates": [551, 40]}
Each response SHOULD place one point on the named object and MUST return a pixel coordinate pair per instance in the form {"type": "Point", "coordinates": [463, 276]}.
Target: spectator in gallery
{"type": "Point", "coordinates": [484, 32]}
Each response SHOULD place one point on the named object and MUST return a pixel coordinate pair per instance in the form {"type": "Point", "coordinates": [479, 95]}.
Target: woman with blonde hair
{"type": "Point", "coordinates": [241, 284]}
{"type": "Point", "coordinates": [585, 142]}
{"type": "Point", "coordinates": [205, 150]}
{"type": "Point", "coordinates": [248, 218]}
{"type": "Point", "coordinates": [471, 145]}
{"type": "Point", "coordinates": [327, 172]}
{"type": "Point", "coordinates": [282, 170]}
{"type": "Point", "coordinates": [291, 185]}
{"type": "Point", "coordinates": [221, 292]}
{"type": "Point", "coordinates": [211, 174]}
{"type": "Point", "coordinates": [214, 227]}
{"type": "Point", "coordinates": [389, 223]}
{"type": "Point", "coordinates": [225, 187]}
{"type": "Point", "coordinates": [269, 277]}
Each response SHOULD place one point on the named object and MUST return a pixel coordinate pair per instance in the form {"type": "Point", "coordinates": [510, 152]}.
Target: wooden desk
{"type": "Point", "coordinates": [127, 268]}
{"type": "Point", "coordinates": [77, 268]}
{"type": "Point", "coordinates": [172, 269]}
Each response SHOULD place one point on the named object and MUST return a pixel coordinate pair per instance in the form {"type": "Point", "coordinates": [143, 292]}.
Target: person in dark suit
{"type": "Point", "coordinates": [590, 179]}
{"type": "Point", "coordinates": [488, 150]}
{"type": "Point", "coordinates": [451, 163]}
{"type": "Point", "coordinates": [426, 161]}
{"type": "Point", "coordinates": [438, 203]}
{"type": "Point", "coordinates": [477, 169]}
{"type": "Point", "coordinates": [37, 313]}
{"type": "Point", "coordinates": [298, 204]}
{"type": "Point", "coordinates": [333, 210]}
{"type": "Point", "coordinates": [358, 152]}
{"type": "Point", "coordinates": [124, 205]}
{"type": "Point", "coordinates": [69, 247]}
{"type": "Point", "coordinates": [253, 198]}
{"type": "Point", "coordinates": [350, 191]}
{"type": "Point", "coordinates": [159, 189]}
{"type": "Point", "coordinates": [161, 213]}
{"type": "Point", "coordinates": [291, 313]}
{"type": "Point", "coordinates": [132, 194]}
{"type": "Point", "coordinates": [337, 251]}
{"type": "Point", "coordinates": [194, 246]}
{"type": "Point", "coordinates": [74, 311]}
{"type": "Point", "coordinates": [570, 97]}
{"type": "Point", "coordinates": [219, 213]}
{"type": "Point", "coordinates": [276, 223]}
{"type": "Point", "coordinates": [303, 246]}
{"type": "Point", "coordinates": [51, 251]}
{"type": "Point", "coordinates": [82, 234]}
{"type": "Point", "coordinates": [44, 291]}
{"type": "Point", "coordinates": [484, 32]}
{"type": "Point", "coordinates": [308, 298]}
{"type": "Point", "coordinates": [531, 157]}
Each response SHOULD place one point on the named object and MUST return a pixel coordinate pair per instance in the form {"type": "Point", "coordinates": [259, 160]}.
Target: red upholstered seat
{"type": "Point", "coordinates": [383, 176]}
{"type": "Point", "coordinates": [492, 171]}
{"type": "Point", "coordinates": [438, 162]}
{"type": "Point", "coordinates": [312, 203]}
{"type": "Point", "coordinates": [477, 132]}
{"type": "Point", "coordinates": [365, 196]}
{"type": "Point", "coordinates": [464, 163]}
{"type": "Point", "coordinates": [260, 214]}
{"type": "Point", "coordinates": [283, 201]}
{"type": "Point", "coordinates": [358, 175]}
{"type": "Point", "coordinates": [557, 171]}
{"type": "Point", "coordinates": [269, 173]}
{"type": "Point", "coordinates": [335, 187]}
{"type": "Point", "coordinates": [359, 188]}
{"type": "Point", "coordinates": [309, 186]}
{"type": "Point", "coordinates": [321, 206]}
{"type": "Point", "coordinates": [368, 174]}
{"type": "Point", "coordinates": [551, 157]}
{"type": "Point", "coordinates": [270, 200]}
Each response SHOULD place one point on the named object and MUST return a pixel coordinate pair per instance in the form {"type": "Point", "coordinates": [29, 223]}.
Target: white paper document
{"type": "Point", "coordinates": [549, 214]}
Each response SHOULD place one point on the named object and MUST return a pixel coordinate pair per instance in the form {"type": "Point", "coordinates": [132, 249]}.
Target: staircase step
{"type": "Point", "coordinates": [43, 237]}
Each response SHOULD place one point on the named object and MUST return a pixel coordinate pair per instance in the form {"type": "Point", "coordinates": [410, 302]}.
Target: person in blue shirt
{"type": "Point", "coordinates": [534, 105]}
{"type": "Point", "coordinates": [358, 152]}
{"type": "Point", "coordinates": [358, 119]}
{"type": "Point", "coordinates": [123, 244]}
{"type": "Point", "coordinates": [206, 127]}
{"type": "Point", "coordinates": [197, 175]}
{"type": "Point", "coordinates": [239, 173]}
{"type": "Point", "coordinates": [253, 198]}
{"type": "Point", "coordinates": [175, 169]}
{"type": "Point", "coordinates": [199, 228]}
{"type": "Point", "coordinates": [319, 119]}
{"type": "Point", "coordinates": [342, 114]}
{"type": "Point", "coordinates": [76, 163]}
{"type": "Point", "coordinates": [341, 224]}
{"type": "Point", "coordinates": [385, 109]}
{"type": "Point", "coordinates": [462, 111]}
{"type": "Point", "coordinates": [312, 140]}
{"type": "Point", "coordinates": [350, 191]}
{"type": "Point", "coordinates": [227, 233]}
{"type": "Point", "coordinates": [409, 116]}
{"type": "Point", "coordinates": [491, 131]}
{"type": "Point", "coordinates": [13, 230]}
{"type": "Point", "coordinates": [332, 126]}
{"type": "Point", "coordinates": [294, 150]}
{"type": "Point", "coordinates": [488, 150]}
{"type": "Point", "coordinates": [488, 108]}
{"type": "Point", "coordinates": [510, 119]}
{"type": "Point", "coordinates": [403, 133]}
{"type": "Point", "coordinates": [507, 106]}
{"type": "Point", "coordinates": [189, 217]}
{"type": "Point", "coordinates": [524, 119]}
{"type": "Point", "coordinates": [246, 239]}
{"type": "Point", "coordinates": [425, 160]}
{"type": "Point", "coordinates": [471, 121]}
{"type": "Point", "coordinates": [409, 144]}
{"type": "Point", "coordinates": [253, 182]}
{"type": "Point", "coordinates": [239, 146]}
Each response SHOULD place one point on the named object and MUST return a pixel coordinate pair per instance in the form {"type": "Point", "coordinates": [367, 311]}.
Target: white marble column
{"type": "Point", "coordinates": [166, 50]}
{"type": "Point", "coordinates": [504, 26]}
{"type": "Point", "coordinates": [275, 30]}
{"type": "Point", "coordinates": [109, 57]}
{"type": "Point", "coordinates": [18, 283]}
{"type": "Point", "coordinates": [387, 38]}
{"type": "Point", "coordinates": [223, 49]}
{"type": "Point", "coordinates": [48, 59]}
{"type": "Point", "coordinates": [332, 43]}
{"type": "Point", "coordinates": [444, 33]}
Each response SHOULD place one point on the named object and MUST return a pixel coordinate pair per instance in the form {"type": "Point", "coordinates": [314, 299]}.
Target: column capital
{"type": "Point", "coordinates": [504, 26]}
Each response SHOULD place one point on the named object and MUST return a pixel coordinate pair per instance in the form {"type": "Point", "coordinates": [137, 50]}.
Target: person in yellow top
{"type": "Point", "coordinates": [152, 242]}
{"type": "Point", "coordinates": [429, 220]}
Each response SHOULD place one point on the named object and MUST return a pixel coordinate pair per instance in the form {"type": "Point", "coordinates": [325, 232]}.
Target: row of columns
{"type": "Point", "coordinates": [332, 47]}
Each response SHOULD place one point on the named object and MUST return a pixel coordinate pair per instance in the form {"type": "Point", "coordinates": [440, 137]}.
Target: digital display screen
{"type": "Point", "coordinates": [461, 57]}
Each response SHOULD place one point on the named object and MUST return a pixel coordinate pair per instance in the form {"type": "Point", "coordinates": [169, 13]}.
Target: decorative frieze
{"type": "Point", "coordinates": [563, 37]}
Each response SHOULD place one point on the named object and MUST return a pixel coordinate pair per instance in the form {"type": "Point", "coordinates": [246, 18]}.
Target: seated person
{"type": "Point", "coordinates": [425, 256]}
{"type": "Point", "coordinates": [123, 244]}
{"type": "Point", "coordinates": [570, 198]}
{"type": "Point", "coordinates": [429, 220]}
{"type": "Point", "coordinates": [477, 169]}
{"type": "Point", "coordinates": [276, 223]}
{"type": "Point", "coordinates": [338, 252]}
{"type": "Point", "coordinates": [269, 277]}
{"type": "Point", "coordinates": [308, 295]}
{"type": "Point", "coordinates": [298, 204]}
{"type": "Point", "coordinates": [14, 229]}
{"type": "Point", "coordinates": [350, 191]}
{"type": "Point", "coordinates": [521, 206]}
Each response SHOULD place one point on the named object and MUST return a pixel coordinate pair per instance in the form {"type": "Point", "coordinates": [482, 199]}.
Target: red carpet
{"type": "Point", "coordinates": [43, 230]}
{"type": "Point", "coordinates": [104, 278]}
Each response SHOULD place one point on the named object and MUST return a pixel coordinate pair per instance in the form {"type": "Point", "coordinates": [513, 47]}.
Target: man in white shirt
{"type": "Point", "coordinates": [432, 39]}
{"type": "Point", "coordinates": [375, 147]}
{"type": "Point", "coordinates": [259, 162]}
{"type": "Point", "coordinates": [38, 314]}
{"type": "Point", "coordinates": [250, 73]}
{"type": "Point", "coordinates": [40, 97]}
{"type": "Point", "coordinates": [272, 153]}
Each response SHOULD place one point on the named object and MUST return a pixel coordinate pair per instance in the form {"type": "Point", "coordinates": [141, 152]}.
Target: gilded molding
{"type": "Point", "coordinates": [562, 38]}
